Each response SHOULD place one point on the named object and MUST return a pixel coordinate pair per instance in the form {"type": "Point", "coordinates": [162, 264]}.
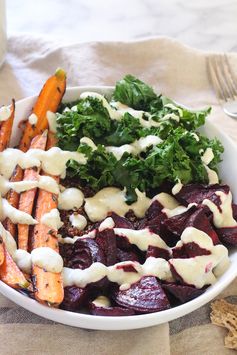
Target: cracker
{"type": "Point", "coordinates": [224, 314]}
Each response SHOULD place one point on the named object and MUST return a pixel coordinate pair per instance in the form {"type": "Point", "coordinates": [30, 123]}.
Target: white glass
{"type": "Point", "coordinates": [3, 35]}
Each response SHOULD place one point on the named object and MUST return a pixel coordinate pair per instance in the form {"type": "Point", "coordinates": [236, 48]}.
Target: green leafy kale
{"type": "Point", "coordinates": [134, 93]}
{"type": "Point", "coordinates": [177, 157]}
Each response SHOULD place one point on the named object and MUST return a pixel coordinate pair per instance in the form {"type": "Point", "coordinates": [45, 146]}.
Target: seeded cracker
{"type": "Point", "coordinates": [224, 314]}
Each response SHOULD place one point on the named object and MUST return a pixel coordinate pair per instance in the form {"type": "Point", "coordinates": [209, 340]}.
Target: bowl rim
{"type": "Point", "coordinates": [89, 321]}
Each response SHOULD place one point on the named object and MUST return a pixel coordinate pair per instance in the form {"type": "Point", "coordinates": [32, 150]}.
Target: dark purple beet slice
{"type": "Point", "coordinates": [110, 311]}
{"type": "Point", "coordinates": [107, 243]}
{"type": "Point", "coordinates": [144, 296]}
{"type": "Point", "coordinates": [123, 255]}
{"type": "Point", "coordinates": [157, 252]}
{"type": "Point", "coordinates": [74, 298]}
{"type": "Point", "coordinates": [193, 249]}
{"type": "Point", "coordinates": [84, 252]}
{"type": "Point", "coordinates": [179, 253]}
{"type": "Point", "coordinates": [183, 293]}
{"type": "Point", "coordinates": [234, 208]}
{"type": "Point", "coordinates": [154, 210]}
{"type": "Point", "coordinates": [196, 193]}
{"type": "Point", "coordinates": [199, 220]}
{"type": "Point", "coordinates": [153, 224]}
{"type": "Point", "coordinates": [121, 222]}
{"type": "Point", "coordinates": [172, 228]}
{"type": "Point", "coordinates": [228, 235]}
{"type": "Point", "coordinates": [127, 268]}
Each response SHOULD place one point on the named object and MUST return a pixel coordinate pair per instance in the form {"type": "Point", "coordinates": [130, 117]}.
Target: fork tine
{"type": "Point", "coordinates": [215, 80]}
{"type": "Point", "coordinates": [227, 78]}
{"type": "Point", "coordinates": [222, 77]}
{"type": "Point", "coordinates": [231, 74]}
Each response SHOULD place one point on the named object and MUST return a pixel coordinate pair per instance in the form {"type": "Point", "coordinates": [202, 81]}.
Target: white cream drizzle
{"type": "Point", "coordinates": [47, 258]}
{"type": "Point", "coordinates": [78, 221]}
{"type": "Point", "coordinates": [207, 156]}
{"type": "Point", "coordinates": [212, 175]}
{"type": "Point", "coordinates": [177, 210]}
{"type": "Point", "coordinates": [195, 136]}
{"type": "Point", "coordinates": [70, 198]}
{"type": "Point", "coordinates": [108, 223]}
{"type": "Point", "coordinates": [102, 302]}
{"type": "Point", "coordinates": [69, 240]}
{"type": "Point", "coordinates": [197, 271]}
{"type": "Point", "coordinates": [52, 121]}
{"type": "Point", "coordinates": [115, 273]}
{"type": "Point", "coordinates": [33, 119]}
{"type": "Point", "coordinates": [135, 148]}
{"type": "Point", "coordinates": [52, 219]}
{"type": "Point", "coordinates": [5, 113]}
{"type": "Point", "coordinates": [89, 142]}
{"type": "Point", "coordinates": [166, 200]}
{"type": "Point", "coordinates": [46, 183]}
{"type": "Point", "coordinates": [142, 238]}
{"type": "Point", "coordinates": [113, 199]}
{"type": "Point", "coordinates": [117, 110]}
{"type": "Point", "coordinates": [177, 187]}
{"type": "Point", "coordinates": [53, 161]}
{"type": "Point", "coordinates": [223, 218]}
{"type": "Point", "coordinates": [15, 215]}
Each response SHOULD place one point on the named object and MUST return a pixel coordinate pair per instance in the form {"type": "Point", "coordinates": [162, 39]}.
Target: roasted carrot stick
{"type": "Point", "coordinates": [6, 129]}
{"type": "Point", "coordinates": [48, 100]}
{"type": "Point", "coordinates": [48, 285]}
{"type": "Point", "coordinates": [10, 273]}
{"type": "Point", "coordinates": [1, 251]}
{"type": "Point", "coordinates": [27, 198]}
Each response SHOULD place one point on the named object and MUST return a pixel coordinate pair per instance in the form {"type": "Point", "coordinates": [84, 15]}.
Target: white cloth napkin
{"type": "Point", "coordinates": [176, 71]}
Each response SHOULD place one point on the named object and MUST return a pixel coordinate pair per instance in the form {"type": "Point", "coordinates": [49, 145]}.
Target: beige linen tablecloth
{"type": "Point", "coordinates": [175, 70]}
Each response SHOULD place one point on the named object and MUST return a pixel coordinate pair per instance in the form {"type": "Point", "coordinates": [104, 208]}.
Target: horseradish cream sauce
{"type": "Point", "coordinates": [223, 217]}
{"type": "Point", "coordinates": [5, 113]}
{"type": "Point", "coordinates": [53, 161]}
{"type": "Point", "coordinates": [52, 219]}
{"type": "Point", "coordinates": [78, 221]}
{"type": "Point", "coordinates": [70, 198]}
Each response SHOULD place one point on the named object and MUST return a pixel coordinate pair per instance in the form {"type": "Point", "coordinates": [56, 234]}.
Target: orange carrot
{"type": "Point", "coordinates": [48, 285]}
{"type": "Point", "coordinates": [6, 129]}
{"type": "Point", "coordinates": [10, 273]}
{"type": "Point", "coordinates": [48, 100]}
{"type": "Point", "coordinates": [27, 198]}
{"type": "Point", "coordinates": [1, 251]}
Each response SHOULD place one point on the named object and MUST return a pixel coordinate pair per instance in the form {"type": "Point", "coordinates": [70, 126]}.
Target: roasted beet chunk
{"type": "Point", "coordinates": [110, 311]}
{"type": "Point", "coordinates": [154, 210]}
{"type": "Point", "coordinates": [172, 228]}
{"type": "Point", "coordinates": [123, 255]}
{"type": "Point", "coordinates": [196, 193]}
{"type": "Point", "coordinates": [193, 249]}
{"type": "Point", "coordinates": [228, 235]}
{"type": "Point", "coordinates": [84, 252]}
{"type": "Point", "coordinates": [179, 253]}
{"type": "Point", "coordinates": [107, 243]}
{"type": "Point", "coordinates": [157, 252]}
{"type": "Point", "coordinates": [200, 221]}
{"type": "Point", "coordinates": [181, 292]}
{"type": "Point", "coordinates": [153, 224]}
{"type": "Point", "coordinates": [121, 222]}
{"type": "Point", "coordinates": [144, 296]}
{"type": "Point", "coordinates": [74, 298]}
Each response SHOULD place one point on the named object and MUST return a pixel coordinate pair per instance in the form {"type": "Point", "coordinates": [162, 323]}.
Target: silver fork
{"type": "Point", "coordinates": [224, 82]}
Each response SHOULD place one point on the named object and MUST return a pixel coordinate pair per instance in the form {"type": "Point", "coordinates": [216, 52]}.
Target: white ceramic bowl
{"type": "Point", "coordinates": [228, 171]}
